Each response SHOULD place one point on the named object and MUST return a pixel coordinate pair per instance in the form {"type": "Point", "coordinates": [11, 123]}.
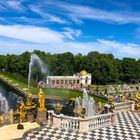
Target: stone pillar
{"type": "Point", "coordinates": [132, 106]}
{"type": "Point", "coordinates": [50, 82]}
{"type": "Point", "coordinates": [84, 125]}
{"type": "Point", "coordinates": [30, 117]}
{"type": "Point", "coordinates": [89, 81]}
{"type": "Point", "coordinates": [57, 120]}
{"type": "Point", "coordinates": [41, 116]}
{"type": "Point", "coordinates": [47, 81]}
{"type": "Point", "coordinates": [114, 118]}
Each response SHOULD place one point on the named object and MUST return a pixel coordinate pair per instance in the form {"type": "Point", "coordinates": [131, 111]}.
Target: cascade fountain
{"type": "Point", "coordinates": [87, 102]}
{"type": "Point", "coordinates": [4, 107]}
{"type": "Point", "coordinates": [35, 60]}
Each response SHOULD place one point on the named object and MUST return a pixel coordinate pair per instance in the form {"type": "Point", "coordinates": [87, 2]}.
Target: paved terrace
{"type": "Point", "coordinates": [127, 128]}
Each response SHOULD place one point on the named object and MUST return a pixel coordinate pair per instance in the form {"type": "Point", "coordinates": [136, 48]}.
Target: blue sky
{"type": "Point", "coordinates": [77, 26]}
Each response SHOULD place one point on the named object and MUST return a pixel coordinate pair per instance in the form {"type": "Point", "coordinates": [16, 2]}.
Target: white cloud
{"type": "Point", "coordinates": [17, 39]}
{"type": "Point", "coordinates": [62, 12]}
{"type": "Point", "coordinates": [2, 8]}
{"type": "Point", "coordinates": [30, 33]}
{"type": "Point", "coordinates": [47, 16]}
{"type": "Point", "coordinates": [127, 49]}
{"type": "Point", "coordinates": [79, 12]}
{"type": "Point", "coordinates": [3, 20]}
{"type": "Point", "coordinates": [13, 4]}
{"type": "Point", "coordinates": [71, 33]}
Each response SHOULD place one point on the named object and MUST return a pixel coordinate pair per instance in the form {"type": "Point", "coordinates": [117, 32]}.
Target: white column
{"type": "Point", "coordinates": [132, 106]}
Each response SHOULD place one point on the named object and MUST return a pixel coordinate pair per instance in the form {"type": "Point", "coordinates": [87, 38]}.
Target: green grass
{"type": "Point", "coordinates": [100, 87]}
{"type": "Point", "coordinates": [34, 90]}
{"type": "Point", "coordinates": [13, 81]}
{"type": "Point", "coordinates": [64, 93]}
{"type": "Point", "coordinates": [99, 98]}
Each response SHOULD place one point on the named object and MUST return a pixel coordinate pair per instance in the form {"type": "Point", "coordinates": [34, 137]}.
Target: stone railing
{"type": "Point", "coordinates": [99, 121]}
{"type": "Point", "coordinates": [70, 122]}
{"type": "Point", "coordinates": [82, 125]}
{"type": "Point", "coordinates": [124, 91]}
{"type": "Point", "coordinates": [128, 105]}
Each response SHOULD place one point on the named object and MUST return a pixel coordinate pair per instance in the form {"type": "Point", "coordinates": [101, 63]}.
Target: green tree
{"type": "Point", "coordinates": [129, 69]}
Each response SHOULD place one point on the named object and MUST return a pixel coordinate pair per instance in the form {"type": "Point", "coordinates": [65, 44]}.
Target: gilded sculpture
{"type": "Point", "coordinates": [138, 101]}
{"type": "Point", "coordinates": [41, 100]}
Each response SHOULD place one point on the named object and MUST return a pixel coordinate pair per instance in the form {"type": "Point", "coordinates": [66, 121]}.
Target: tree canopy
{"type": "Point", "coordinates": [105, 69]}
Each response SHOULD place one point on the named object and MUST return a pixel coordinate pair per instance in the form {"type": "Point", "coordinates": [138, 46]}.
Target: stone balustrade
{"type": "Point", "coordinates": [70, 122]}
{"type": "Point", "coordinates": [80, 124]}
{"type": "Point", "coordinates": [100, 121]}
{"type": "Point", "coordinates": [124, 91]}
{"type": "Point", "coordinates": [128, 105]}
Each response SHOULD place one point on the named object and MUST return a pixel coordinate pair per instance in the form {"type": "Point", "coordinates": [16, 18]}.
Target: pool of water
{"type": "Point", "coordinates": [67, 106]}
{"type": "Point", "coordinates": [13, 98]}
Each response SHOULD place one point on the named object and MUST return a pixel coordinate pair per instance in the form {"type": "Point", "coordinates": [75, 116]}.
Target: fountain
{"type": "Point", "coordinates": [33, 61]}
{"type": "Point", "coordinates": [4, 107]}
{"type": "Point", "coordinates": [85, 106]}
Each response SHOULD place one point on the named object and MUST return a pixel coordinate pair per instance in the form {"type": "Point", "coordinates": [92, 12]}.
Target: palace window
{"type": "Point", "coordinates": [62, 82]}
{"type": "Point", "coordinates": [53, 82]}
{"type": "Point", "coordinates": [66, 81]}
{"type": "Point", "coordinates": [57, 81]}
{"type": "Point", "coordinates": [86, 80]}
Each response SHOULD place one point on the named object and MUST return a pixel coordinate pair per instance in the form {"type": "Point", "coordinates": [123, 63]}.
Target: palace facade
{"type": "Point", "coordinates": [77, 80]}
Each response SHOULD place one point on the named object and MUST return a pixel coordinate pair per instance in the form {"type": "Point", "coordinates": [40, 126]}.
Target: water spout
{"type": "Point", "coordinates": [87, 102]}
{"type": "Point", "coordinates": [4, 107]}
{"type": "Point", "coordinates": [35, 60]}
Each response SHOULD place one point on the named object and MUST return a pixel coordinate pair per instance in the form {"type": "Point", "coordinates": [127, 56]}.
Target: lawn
{"type": "Point", "coordinates": [65, 93]}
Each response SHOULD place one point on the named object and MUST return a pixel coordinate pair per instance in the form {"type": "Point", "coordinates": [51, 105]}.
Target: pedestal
{"type": "Point", "coordinates": [15, 121]}
{"type": "Point", "coordinates": [114, 119]}
{"type": "Point", "coordinates": [41, 116]}
{"type": "Point", "coordinates": [30, 117]}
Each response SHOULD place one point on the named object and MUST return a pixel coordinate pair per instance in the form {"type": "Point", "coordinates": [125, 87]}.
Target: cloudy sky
{"type": "Point", "coordinates": [57, 26]}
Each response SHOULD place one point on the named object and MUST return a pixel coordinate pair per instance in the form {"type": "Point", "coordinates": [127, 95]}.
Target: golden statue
{"type": "Point", "coordinates": [2, 118]}
{"type": "Point", "coordinates": [22, 109]}
{"type": "Point", "coordinates": [113, 105]}
{"type": "Point", "coordinates": [29, 104]}
{"type": "Point", "coordinates": [110, 98]}
{"type": "Point", "coordinates": [123, 98]}
{"type": "Point", "coordinates": [138, 96]}
{"type": "Point", "coordinates": [58, 108]}
{"type": "Point", "coordinates": [29, 99]}
{"type": "Point", "coordinates": [138, 101]}
{"type": "Point", "coordinates": [41, 100]}
{"type": "Point", "coordinates": [99, 105]}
